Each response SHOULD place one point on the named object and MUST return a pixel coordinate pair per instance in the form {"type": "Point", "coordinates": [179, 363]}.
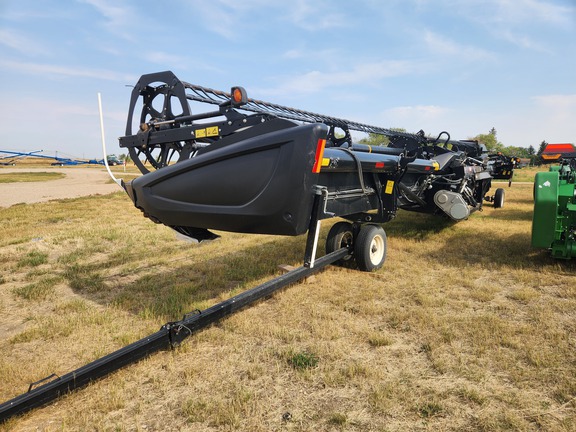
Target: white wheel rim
{"type": "Point", "coordinates": [377, 249]}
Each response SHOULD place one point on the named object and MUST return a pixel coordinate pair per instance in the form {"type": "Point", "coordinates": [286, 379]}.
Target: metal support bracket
{"type": "Point", "coordinates": [318, 213]}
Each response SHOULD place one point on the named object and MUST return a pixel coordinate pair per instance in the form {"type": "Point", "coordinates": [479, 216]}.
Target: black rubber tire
{"type": "Point", "coordinates": [341, 235]}
{"type": "Point", "coordinates": [370, 248]}
{"type": "Point", "coordinates": [499, 198]}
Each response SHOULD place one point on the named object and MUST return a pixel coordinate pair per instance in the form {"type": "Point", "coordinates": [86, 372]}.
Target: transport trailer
{"type": "Point", "coordinates": [459, 184]}
{"type": "Point", "coordinates": [255, 167]}
{"type": "Point", "coordinates": [250, 167]}
{"type": "Point", "coordinates": [554, 218]}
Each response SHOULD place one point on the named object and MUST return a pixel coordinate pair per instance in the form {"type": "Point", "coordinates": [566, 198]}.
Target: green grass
{"type": "Point", "coordinates": [17, 177]}
{"type": "Point", "coordinates": [33, 259]}
{"type": "Point", "coordinates": [303, 360]}
{"type": "Point", "coordinates": [41, 290]}
{"type": "Point", "coordinates": [527, 174]}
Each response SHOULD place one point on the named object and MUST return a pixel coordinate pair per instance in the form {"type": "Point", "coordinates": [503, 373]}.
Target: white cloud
{"type": "Point", "coordinates": [315, 16]}
{"type": "Point", "coordinates": [21, 43]}
{"type": "Point", "coordinates": [118, 18]}
{"type": "Point", "coordinates": [507, 12]}
{"type": "Point", "coordinates": [231, 18]}
{"type": "Point", "coordinates": [521, 40]}
{"type": "Point", "coordinates": [64, 71]}
{"type": "Point", "coordinates": [432, 119]}
{"type": "Point", "coordinates": [559, 108]}
{"type": "Point", "coordinates": [178, 62]}
{"type": "Point", "coordinates": [360, 74]}
{"type": "Point", "coordinates": [294, 54]}
{"type": "Point", "coordinates": [564, 101]}
{"type": "Point", "coordinates": [514, 20]}
{"type": "Point", "coordinates": [545, 117]}
{"type": "Point", "coordinates": [444, 46]}
{"type": "Point", "coordinates": [226, 18]}
{"type": "Point", "coordinates": [530, 11]}
{"type": "Point", "coordinates": [420, 111]}
{"type": "Point", "coordinates": [166, 58]}
{"type": "Point", "coordinates": [315, 55]}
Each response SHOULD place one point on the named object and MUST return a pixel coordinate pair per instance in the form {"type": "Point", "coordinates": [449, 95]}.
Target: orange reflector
{"type": "Point", "coordinates": [319, 155]}
{"type": "Point", "coordinates": [237, 95]}
{"type": "Point", "coordinates": [379, 164]}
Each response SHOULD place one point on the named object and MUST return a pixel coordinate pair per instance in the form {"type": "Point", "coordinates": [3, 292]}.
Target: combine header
{"type": "Point", "coordinates": [501, 167]}
{"type": "Point", "coordinates": [255, 167]}
{"type": "Point", "coordinates": [258, 173]}
{"type": "Point", "coordinates": [554, 219]}
{"type": "Point", "coordinates": [459, 184]}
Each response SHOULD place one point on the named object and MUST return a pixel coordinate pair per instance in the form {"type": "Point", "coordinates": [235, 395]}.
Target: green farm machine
{"type": "Point", "coordinates": [554, 220]}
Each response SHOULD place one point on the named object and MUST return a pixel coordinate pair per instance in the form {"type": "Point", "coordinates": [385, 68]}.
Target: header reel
{"type": "Point", "coordinates": [162, 103]}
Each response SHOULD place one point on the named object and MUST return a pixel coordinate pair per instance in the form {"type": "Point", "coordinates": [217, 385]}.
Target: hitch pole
{"type": "Point", "coordinates": [169, 335]}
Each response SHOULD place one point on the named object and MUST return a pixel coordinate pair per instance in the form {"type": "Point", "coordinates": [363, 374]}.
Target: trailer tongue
{"type": "Point", "coordinates": [170, 335]}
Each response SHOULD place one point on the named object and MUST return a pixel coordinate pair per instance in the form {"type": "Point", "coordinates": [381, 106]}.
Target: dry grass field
{"type": "Point", "coordinates": [465, 328]}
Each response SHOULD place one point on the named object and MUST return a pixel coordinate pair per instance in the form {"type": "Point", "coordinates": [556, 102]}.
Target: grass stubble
{"type": "Point", "coordinates": [465, 328]}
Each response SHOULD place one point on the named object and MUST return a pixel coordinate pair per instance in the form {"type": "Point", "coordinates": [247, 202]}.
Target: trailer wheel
{"type": "Point", "coordinates": [370, 248]}
{"type": "Point", "coordinates": [341, 235]}
{"type": "Point", "coordinates": [499, 198]}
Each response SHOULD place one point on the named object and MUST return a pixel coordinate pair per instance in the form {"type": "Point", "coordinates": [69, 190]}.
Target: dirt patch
{"type": "Point", "coordinates": [76, 183]}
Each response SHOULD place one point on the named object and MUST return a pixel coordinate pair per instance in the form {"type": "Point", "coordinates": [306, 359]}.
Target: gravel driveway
{"type": "Point", "coordinates": [78, 182]}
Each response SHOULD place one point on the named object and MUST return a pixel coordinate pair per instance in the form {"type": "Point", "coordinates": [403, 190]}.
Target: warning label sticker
{"type": "Point", "coordinates": [389, 187]}
{"type": "Point", "coordinates": [207, 132]}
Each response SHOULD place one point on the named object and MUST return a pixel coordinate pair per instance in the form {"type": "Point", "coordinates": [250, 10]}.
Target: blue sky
{"type": "Point", "coordinates": [463, 66]}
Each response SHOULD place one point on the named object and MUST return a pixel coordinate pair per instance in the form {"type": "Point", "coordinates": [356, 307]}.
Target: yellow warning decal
{"type": "Point", "coordinates": [207, 132]}
{"type": "Point", "coordinates": [212, 131]}
{"type": "Point", "coordinates": [325, 162]}
{"type": "Point", "coordinates": [389, 187]}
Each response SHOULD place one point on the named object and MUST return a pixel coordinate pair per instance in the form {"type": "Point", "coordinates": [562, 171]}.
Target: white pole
{"type": "Point", "coordinates": [118, 181]}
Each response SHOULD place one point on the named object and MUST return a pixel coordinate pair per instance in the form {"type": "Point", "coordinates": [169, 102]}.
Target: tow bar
{"type": "Point", "coordinates": [173, 333]}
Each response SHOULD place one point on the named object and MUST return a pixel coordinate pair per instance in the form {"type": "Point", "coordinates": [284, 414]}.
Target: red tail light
{"type": "Point", "coordinates": [319, 155]}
